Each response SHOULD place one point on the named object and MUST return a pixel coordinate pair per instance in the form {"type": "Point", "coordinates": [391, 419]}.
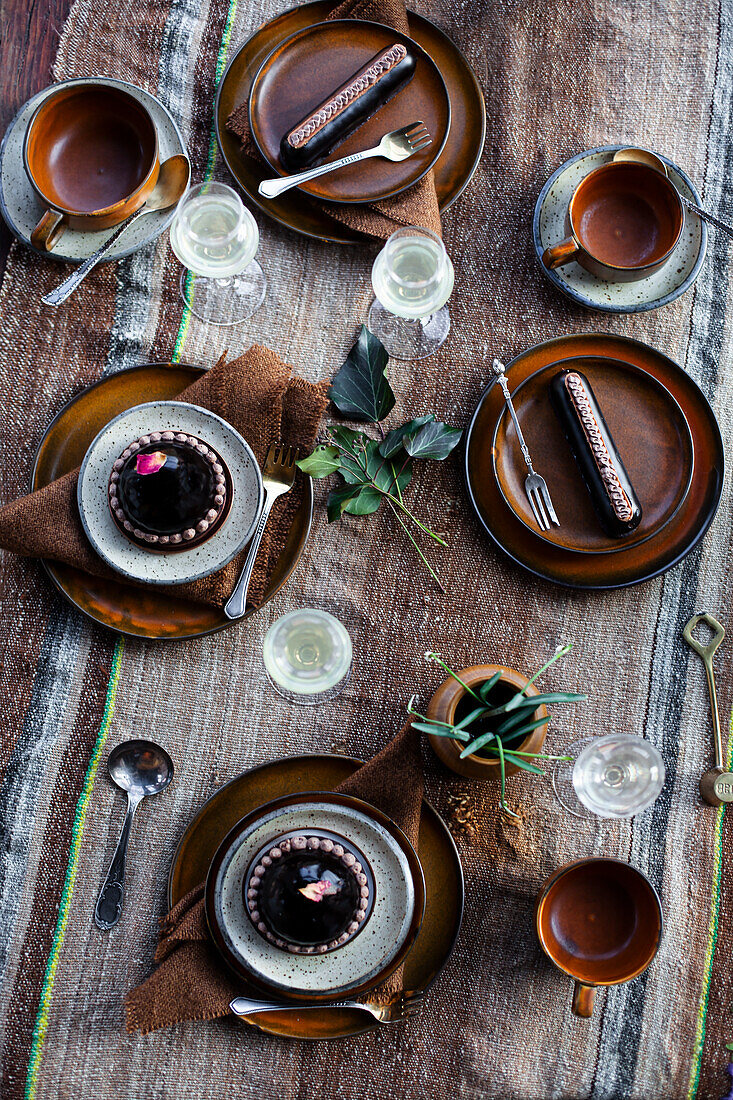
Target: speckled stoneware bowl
{"type": "Point", "coordinates": [667, 284]}
{"type": "Point", "coordinates": [185, 565]}
{"type": "Point", "coordinates": [397, 899]}
{"type": "Point", "coordinates": [21, 209]}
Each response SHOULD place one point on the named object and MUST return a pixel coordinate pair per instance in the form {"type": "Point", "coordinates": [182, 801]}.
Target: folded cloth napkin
{"type": "Point", "coordinates": [416, 206]}
{"type": "Point", "coordinates": [191, 982]}
{"type": "Point", "coordinates": [258, 395]}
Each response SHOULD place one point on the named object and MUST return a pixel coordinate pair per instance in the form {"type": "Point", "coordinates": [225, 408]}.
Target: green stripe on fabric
{"type": "Point", "coordinates": [41, 1025]}
{"type": "Point", "coordinates": [208, 173]}
{"type": "Point", "coordinates": [712, 934]}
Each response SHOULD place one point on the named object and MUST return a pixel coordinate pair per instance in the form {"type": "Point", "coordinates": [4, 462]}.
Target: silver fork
{"type": "Point", "coordinates": [397, 145]}
{"type": "Point", "coordinates": [406, 1004]}
{"type": "Point", "coordinates": [277, 478]}
{"type": "Point", "coordinates": [535, 486]}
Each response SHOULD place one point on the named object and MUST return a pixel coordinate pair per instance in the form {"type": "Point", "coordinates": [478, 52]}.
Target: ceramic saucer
{"type": "Point", "coordinates": [182, 566]}
{"type": "Point", "coordinates": [363, 961]}
{"type": "Point", "coordinates": [21, 209]}
{"type": "Point", "coordinates": [548, 227]}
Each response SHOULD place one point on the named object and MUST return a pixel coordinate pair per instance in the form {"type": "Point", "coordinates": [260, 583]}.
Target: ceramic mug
{"type": "Point", "coordinates": [624, 221]}
{"type": "Point", "coordinates": [91, 155]}
{"type": "Point", "coordinates": [600, 921]}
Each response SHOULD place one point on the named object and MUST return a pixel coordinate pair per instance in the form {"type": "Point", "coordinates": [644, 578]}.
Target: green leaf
{"type": "Point", "coordinates": [365, 502]}
{"type": "Point", "coordinates": [338, 499]}
{"type": "Point", "coordinates": [522, 732]}
{"type": "Point", "coordinates": [434, 440]}
{"type": "Point", "coordinates": [488, 685]}
{"type": "Point", "coordinates": [360, 389]}
{"type": "Point", "coordinates": [322, 462]}
{"type": "Point", "coordinates": [440, 731]}
{"type": "Point", "coordinates": [549, 697]}
{"type": "Point", "coordinates": [392, 442]}
{"type": "Point", "coordinates": [471, 717]}
{"type": "Point", "coordinates": [519, 763]}
{"type": "Point", "coordinates": [478, 744]}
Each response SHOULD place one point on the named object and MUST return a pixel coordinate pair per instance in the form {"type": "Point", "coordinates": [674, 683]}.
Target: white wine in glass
{"type": "Point", "coordinates": [307, 655]}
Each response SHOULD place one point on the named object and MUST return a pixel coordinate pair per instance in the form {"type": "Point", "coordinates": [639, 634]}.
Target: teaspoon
{"type": "Point", "coordinates": [172, 182]}
{"type": "Point", "coordinates": [140, 768]}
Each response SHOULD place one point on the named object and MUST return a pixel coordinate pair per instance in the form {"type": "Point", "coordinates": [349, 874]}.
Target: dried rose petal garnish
{"type": "Point", "coordinates": [150, 463]}
{"type": "Point", "coordinates": [317, 891]}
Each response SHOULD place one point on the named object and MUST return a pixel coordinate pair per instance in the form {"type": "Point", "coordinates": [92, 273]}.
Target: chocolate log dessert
{"type": "Point", "coordinates": [308, 894]}
{"type": "Point", "coordinates": [331, 122]}
{"type": "Point", "coordinates": [168, 491]}
{"type": "Point", "coordinates": [611, 491]}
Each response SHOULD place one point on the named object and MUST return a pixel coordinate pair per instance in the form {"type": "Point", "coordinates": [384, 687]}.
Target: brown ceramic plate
{"type": "Point", "coordinates": [624, 567]}
{"type": "Point", "coordinates": [306, 68]}
{"type": "Point", "coordinates": [398, 899]}
{"type": "Point", "coordinates": [648, 428]}
{"type": "Point", "coordinates": [437, 853]}
{"type": "Point", "coordinates": [296, 210]}
{"type": "Point", "coordinates": [138, 612]}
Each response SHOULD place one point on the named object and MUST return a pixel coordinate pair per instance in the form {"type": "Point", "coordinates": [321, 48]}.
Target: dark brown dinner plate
{"type": "Point", "coordinates": [126, 608]}
{"type": "Point", "coordinates": [438, 856]}
{"type": "Point", "coordinates": [631, 565]}
{"type": "Point", "coordinates": [296, 210]}
{"type": "Point", "coordinates": [648, 428]}
{"type": "Point", "coordinates": [306, 68]}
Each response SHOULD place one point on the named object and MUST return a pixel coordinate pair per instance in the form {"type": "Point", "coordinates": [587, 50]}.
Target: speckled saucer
{"type": "Point", "coordinates": [397, 899]}
{"type": "Point", "coordinates": [548, 228]}
{"type": "Point", "coordinates": [185, 565]}
{"type": "Point", "coordinates": [21, 208]}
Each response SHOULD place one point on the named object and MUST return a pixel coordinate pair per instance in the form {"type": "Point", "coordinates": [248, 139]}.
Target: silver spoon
{"type": "Point", "coordinates": [171, 185]}
{"type": "Point", "coordinates": [643, 156]}
{"type": "Point", "coordinates": [141, 768]}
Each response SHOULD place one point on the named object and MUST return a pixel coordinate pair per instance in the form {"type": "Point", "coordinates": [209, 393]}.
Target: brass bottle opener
{"type": "Point", "coordinates": [716, 785]}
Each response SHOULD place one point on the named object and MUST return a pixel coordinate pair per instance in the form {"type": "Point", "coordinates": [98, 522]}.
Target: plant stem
{"type": "Point", "coordinates": [436, 657]}
{"type": "Point", "coordinates": [408, 532]}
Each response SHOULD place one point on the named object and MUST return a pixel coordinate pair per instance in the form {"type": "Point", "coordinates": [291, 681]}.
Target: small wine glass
{"type": "Point", "coordinates": [614, 776]}
{"type": "Point", "coordinates": [412, 279]}
{"type": "Point", "coordinates": [308, 656]}
{"type": "Point", "coordinates": [216, 239]}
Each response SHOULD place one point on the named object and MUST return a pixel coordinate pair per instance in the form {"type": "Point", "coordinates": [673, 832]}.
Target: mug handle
{"type": "Point", "coordinates": [48, 231]}
{"type": "Point", "coordinates": [583, 998]}
{"type": "Point", "coordinates": [563, 253]}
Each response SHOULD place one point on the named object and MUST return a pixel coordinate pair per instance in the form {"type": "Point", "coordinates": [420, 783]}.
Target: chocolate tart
{"type": "Point", "coordinates": [176, 499]}
{"type": "Point", "coordinates": [309, 893]}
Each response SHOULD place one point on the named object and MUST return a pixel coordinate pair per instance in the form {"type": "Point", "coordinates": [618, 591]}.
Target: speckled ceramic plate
{"type": "Point", "coordinates": [21, 209]}
{"type": "Point", "coordinates": [184, 565]}
{"type": "Point", "coordinates": [548, 228]}
{"type": "Point", "coordinates": [373, 953]}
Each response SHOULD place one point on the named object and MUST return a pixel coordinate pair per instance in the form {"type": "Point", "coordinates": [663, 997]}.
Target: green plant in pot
{"type": "Point", "coordinates": [489, 721]}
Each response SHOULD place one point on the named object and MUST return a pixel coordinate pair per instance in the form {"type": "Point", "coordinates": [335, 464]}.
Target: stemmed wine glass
{"type": "Point", "coordinates": [412, 279]}
{"type": "Point", "coordinates": [216, 239]}
{"type": "Point", "coordinates": [307, 655]}
{"type": "Point", "coordinates": [614, 776]}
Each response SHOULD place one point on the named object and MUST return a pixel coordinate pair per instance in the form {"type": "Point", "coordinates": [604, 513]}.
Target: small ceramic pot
{"type": "Point", "coordinates": [91, 156]}
{"type": "Point", "coordinates": [623, 223]}
{"type": "Point", "coordinates": [449, 697]}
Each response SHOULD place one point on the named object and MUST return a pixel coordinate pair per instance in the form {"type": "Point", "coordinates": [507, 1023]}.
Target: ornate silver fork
{"type": "Point", "coordinates": [535, 486]}
{"type": "Point", "coordinates": [406, 1004]}
{"type": "Point", "coordinates": [397, 145]}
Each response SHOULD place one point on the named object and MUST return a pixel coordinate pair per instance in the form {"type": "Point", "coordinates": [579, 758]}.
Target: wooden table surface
{"type": "Point", "coordinates": [31, 30]}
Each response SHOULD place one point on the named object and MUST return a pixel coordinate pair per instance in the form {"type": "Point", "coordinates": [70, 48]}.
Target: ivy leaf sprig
{"type": "Point", "coordinates": [373, 471]}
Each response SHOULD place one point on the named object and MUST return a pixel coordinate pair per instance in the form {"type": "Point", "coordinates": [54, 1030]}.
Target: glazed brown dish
{"type": "Point", "coordinates": [626, 564]}
{"type": "Point", "coordinates": [296, 209]}
{"type": "Point", "coordinates": [91, 155]}
{"type": "Point", "coordinates": [600, 921]}
{"type": "Point", "coordinates": [169, 491]}
{"type": "Point", "coordinates": [302, 73]}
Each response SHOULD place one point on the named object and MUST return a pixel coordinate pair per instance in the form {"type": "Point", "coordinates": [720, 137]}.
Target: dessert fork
{"type": "Point", "coordinates": [404, 1005]}
{"type": "Point", "coordinates": [535, 486]}
{"type": "Point", "coordinates": [277, 478]}
{"type": "Point", "coordinates": [397, 145]}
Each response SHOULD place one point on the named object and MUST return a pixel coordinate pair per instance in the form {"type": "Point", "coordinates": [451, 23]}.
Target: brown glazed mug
{"type": "Point", "coordinates": [91, 155]}
{"type": "Point", "coordinates": [600, 921]}
{"type": "Point", "coordinates": [623, 223]}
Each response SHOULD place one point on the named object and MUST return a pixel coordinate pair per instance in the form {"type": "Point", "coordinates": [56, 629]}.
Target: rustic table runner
{"type": "Point", "coordinates": [557, 78]}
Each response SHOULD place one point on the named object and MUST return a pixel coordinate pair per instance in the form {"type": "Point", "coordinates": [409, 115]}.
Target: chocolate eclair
{"type": "Point", "coordinates": [591, 442]}
{"type": "Point", "coordinates": [169, 491]}
{"type": "Point", "coordinates": [327, 125]}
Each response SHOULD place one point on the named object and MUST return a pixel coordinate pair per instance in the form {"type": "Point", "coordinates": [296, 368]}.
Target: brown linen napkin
{"type": "Point", "coordinates": [416, 206]}
{"type": "Point", "coordinates": [258, 395]}
{"type": "Point", "coordinates": [191, 982]}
